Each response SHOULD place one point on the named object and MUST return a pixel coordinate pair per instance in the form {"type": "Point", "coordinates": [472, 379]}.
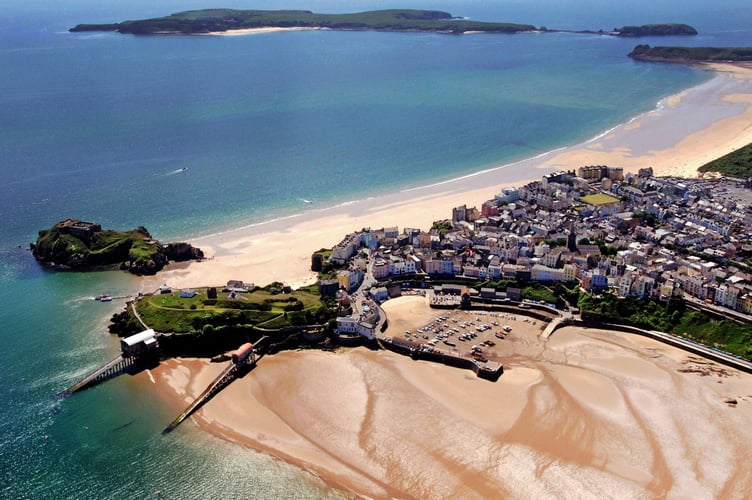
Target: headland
{"type": "Point", "coordinates": [689, 55]}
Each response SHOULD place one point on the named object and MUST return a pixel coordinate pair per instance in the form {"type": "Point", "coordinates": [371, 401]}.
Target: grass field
{"type": "Point", "coordinates": [260, 308]}
{"type": "Point", "coordinates": [599, 199]}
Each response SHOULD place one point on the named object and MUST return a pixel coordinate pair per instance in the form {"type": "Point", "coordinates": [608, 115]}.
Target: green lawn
{"type": "Point", "coordinates": [599, 199]}
{"type": "Point", "coordinates": [260, 308]}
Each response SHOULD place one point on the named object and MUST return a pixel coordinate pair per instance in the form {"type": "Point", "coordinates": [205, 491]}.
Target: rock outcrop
{"type": "Point", "coordinates": [78, 245]}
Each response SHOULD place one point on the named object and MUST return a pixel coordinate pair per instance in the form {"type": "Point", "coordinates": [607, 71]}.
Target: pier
{"type": "Point", "coordinates": [243, 360]}
{"type": "Point", "coordinates": [554, 325]}
{"type": "Point", "coordinates": [489, 370]}
{"type": "Point", "coordinates": [137, 352]}
{"type": "Point", "coordinates": [112, 369]}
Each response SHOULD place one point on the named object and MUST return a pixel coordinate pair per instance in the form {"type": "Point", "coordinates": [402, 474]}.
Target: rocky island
{"type": "Point", "coordinates": [79, 245]}
{"type": "Point", "coordinates": [402, 20]}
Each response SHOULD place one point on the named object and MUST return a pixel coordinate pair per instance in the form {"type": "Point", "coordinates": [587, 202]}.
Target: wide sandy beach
{"type": "Point", "coordinates": [586, 413]}
{"type": "Point", "coordinates": [681, 134]}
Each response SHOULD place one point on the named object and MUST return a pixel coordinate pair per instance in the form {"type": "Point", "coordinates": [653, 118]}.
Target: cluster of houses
{"type": "Point", "coordinates": [633, 234]}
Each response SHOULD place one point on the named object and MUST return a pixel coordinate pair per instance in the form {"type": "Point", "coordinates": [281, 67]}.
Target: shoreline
{"type": "Point", "coordinates": [397, 427]}
{"type": "Point", "coordinates": [682, 133]}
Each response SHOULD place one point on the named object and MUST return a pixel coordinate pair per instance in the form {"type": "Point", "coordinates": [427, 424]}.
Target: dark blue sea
{"type": "Point", "coordinates": [99, 126]}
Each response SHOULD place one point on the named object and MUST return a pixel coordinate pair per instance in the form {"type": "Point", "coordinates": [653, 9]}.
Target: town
{"type": "Point", "coordinates": [633, 235]}
{"type": "Point", "coordinates": [577, 238]}
{"type": "Point", "coordinates": [580, 240]}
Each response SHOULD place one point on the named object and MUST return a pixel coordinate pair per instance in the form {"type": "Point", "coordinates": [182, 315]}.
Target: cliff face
{"type": "Point", "coordinates": [79, 245]}
{"type": "Point", "coordinates": [183, 251]}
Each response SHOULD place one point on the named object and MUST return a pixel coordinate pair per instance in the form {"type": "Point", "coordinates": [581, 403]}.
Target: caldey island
{"type": "Point", "coordinates": [223, 20]}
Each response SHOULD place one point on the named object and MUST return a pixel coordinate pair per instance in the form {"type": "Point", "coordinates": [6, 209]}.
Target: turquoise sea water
{"type": "Point", "coordinates": [97, 126]}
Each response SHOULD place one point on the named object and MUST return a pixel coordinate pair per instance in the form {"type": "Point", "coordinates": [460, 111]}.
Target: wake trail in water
{"type": "Point", "coordinates": [173, 172]}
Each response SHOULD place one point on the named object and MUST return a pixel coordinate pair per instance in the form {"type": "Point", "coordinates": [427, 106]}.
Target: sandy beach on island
{"type": "Point", "coordinates": [598, 413]}
{"type": "Point", "coordinates": [259, 31]}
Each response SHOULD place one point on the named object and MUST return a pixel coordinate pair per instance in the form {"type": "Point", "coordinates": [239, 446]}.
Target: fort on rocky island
{"type": "Point", "coordinates": [80, 245]}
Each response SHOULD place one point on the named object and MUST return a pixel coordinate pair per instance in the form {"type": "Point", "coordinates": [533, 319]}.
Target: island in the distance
{"type": "Point", "coordinates": [79, 245]}
{"type": "Point", "coordinates": [655, 30]}
{"type": "Point", "coordinates": [691, 54]}
{"type": "Point", "coordinates": [221, 20]}
{"type": "Point", "coordinates": [224, 20]}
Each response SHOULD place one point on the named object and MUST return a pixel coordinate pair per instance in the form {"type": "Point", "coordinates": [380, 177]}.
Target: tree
{"type": "Point", "coordinates": [317, 262]}
{"type": "Point", "coordinates": [442, 227]}
{"type": "Point", "coordinates": [646, 218]}
{"type": "Point", "coordinates": [465, 301]}
{"type": "Point", "coordinates": [296, 318]}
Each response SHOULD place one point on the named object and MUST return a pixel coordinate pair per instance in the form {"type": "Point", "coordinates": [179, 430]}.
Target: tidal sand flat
{"type": "Point", "coordinates": [591, 411]}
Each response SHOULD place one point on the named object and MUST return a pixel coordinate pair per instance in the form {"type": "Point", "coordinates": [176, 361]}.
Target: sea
{"type": "Point", "coordinates": [190, 135]}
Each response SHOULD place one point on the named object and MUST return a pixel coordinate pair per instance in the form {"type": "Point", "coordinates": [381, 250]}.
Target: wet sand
{"type": "Point", "coordinates": [592, 413]}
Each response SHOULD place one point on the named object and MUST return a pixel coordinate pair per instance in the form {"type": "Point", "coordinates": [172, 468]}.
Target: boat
{"type": "Point", "coordinates": [103, 298]}
{"type": "Point", "coordinates": [184, 169]}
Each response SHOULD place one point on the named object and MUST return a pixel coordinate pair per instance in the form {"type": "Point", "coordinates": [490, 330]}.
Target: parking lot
{"type": "Point", "coordinates": [481, 335]}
